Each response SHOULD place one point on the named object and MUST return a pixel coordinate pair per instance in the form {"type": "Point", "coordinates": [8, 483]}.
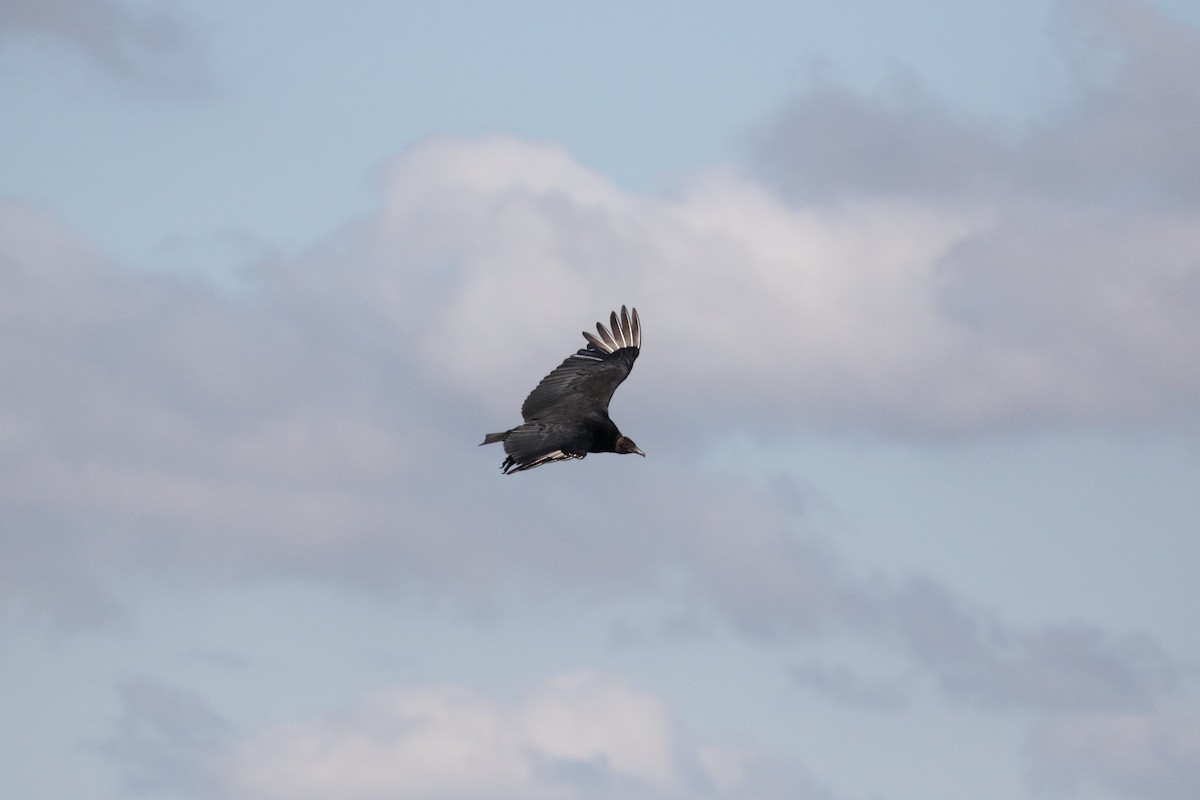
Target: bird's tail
{"type": "Point", "coordinates": [492, 438]}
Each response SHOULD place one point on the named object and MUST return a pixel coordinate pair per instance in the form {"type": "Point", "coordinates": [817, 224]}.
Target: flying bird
{"type": "Point", "coordinates": [566, 415]}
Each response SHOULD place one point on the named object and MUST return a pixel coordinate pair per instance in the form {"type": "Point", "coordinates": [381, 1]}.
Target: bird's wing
{"type": "Point", "coordinates": [586, 381]}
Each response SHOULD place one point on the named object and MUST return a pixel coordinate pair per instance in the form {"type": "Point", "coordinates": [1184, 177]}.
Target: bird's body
{"type": "Point", "coordinates": [566, 415]}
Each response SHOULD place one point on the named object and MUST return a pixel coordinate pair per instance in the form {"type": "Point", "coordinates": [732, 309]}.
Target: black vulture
{"type": "Point", "coordinates": [566, 415]}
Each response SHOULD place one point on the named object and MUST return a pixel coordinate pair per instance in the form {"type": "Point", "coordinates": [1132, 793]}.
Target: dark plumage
{"type": "Point", "coordinates": [566, 416]}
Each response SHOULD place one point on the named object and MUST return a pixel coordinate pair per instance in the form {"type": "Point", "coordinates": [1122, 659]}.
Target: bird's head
{"type": "Point", "coordinates": [625, 445]}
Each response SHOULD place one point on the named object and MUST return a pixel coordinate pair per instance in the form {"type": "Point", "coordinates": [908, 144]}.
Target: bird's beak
{"type": "Point", "coordinates": [639, 452]}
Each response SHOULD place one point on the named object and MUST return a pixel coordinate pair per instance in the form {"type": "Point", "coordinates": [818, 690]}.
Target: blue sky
{"type": "Point", "coordinates": [919, 395]}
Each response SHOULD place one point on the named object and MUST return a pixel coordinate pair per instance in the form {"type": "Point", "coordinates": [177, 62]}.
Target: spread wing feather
{"type": "Point", "coordinates": [585, 381]}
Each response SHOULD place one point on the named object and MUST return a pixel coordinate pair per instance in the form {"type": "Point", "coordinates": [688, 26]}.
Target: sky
{"type": "Point", "coordinates": [919, 393]}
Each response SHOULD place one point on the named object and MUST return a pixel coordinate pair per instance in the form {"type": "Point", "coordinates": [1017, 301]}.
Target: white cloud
{"type": "Point", "coordinates": [897, 313]}
{"type": "Point", "coordinates": [891, 310]}
{"type": "Point", "coordinates": [799, 310]}
{"type": "Point", "coordinates": [578, 735]}
{"type": "Point", "coordinates": [329, 409]}
{"type": "Point", "coordinates": [327, 424]}
{"type": "Point", "coordinates": [1065, 299]}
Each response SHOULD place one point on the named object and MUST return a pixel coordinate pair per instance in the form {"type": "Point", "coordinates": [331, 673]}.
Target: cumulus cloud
{"type": "Point", "coordinates": [1062, 297]}
{"type": "Point", "coordinates": [888, 313]}
{"type": "Point", "coordinates": [153, 409]}
{"type": "Point", "coordinates": [321, 422]}
{"type": "Point", "coordinates": [371, 362]}
{"type": "Point", "coordinates": [582, 735]}
{"type": "Point", "coordinates": [326, 408]}
{"type": "Point", "coordinates": [160, 423]}
{"type": "Point", "coordinates": [889, 263]}
{"type": "Point", "coordinates": [921, 278]}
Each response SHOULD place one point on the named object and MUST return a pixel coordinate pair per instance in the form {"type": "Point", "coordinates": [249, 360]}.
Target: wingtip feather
{"type": "Point", "coordinates": [607, 337]}
{"type": "Point", "coordinates": [626, 331]}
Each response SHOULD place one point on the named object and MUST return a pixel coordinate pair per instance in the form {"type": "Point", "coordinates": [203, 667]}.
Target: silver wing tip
{"type": "Point", "coordinates": [626, 331]}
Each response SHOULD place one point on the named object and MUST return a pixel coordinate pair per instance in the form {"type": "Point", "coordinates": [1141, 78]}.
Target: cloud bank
{"type": "Point", "coordinates": [580, 735]}
{"type": "Point", "coordinates": [885, 266]}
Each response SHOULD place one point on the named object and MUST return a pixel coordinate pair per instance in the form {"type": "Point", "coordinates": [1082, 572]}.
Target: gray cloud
{"type": "Point", "coordinates": [1123, 139]}
{"type": "Point", "coordinates": [1153, 755]}
{"type": "Point", "coordinates": [832, 142]}
{"type": "Point", "coordinates": [148, 43]}
{"type": "Point", "coordinates": [1127, 138]}
{"type": "Point", "coordinates": [978, 658]}
{"type": "Point", "coordinates": [324, 422]}
{"type": "Point", "coordinates": [1076, 282]}
{"type": "Point", "coordinates": [1090, 295]}
{"type": "Point", "coordinates": [44, 576]}
{"type": "Point", "coordinates": [163, 737]}
{"type": "Point", "coordinates": [843, 684]}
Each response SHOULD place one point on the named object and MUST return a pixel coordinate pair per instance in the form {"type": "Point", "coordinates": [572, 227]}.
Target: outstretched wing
{"type": "Point", "coordinates": [585, 382]}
